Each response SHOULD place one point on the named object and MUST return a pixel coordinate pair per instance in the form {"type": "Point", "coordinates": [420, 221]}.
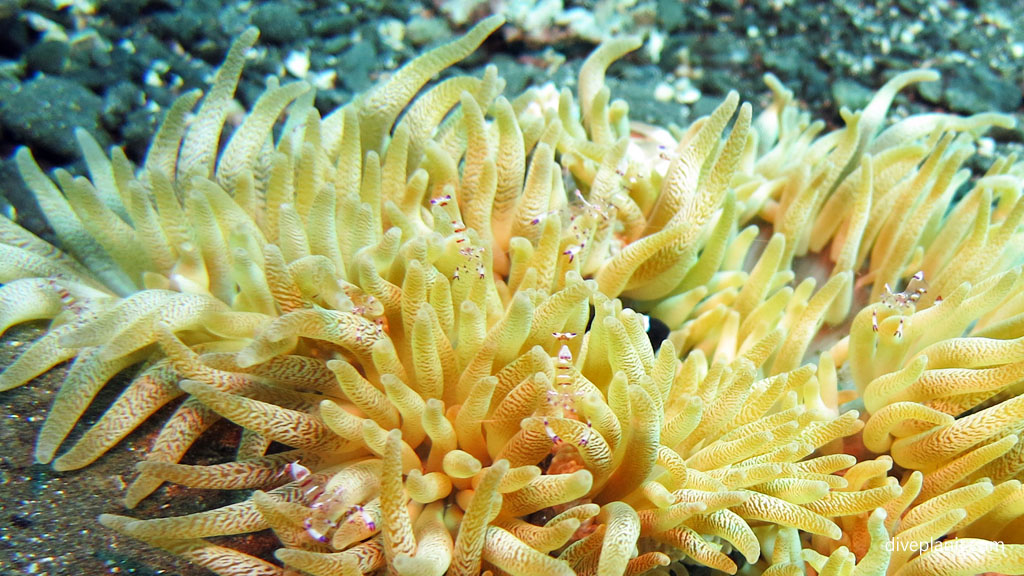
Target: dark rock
{"type": "Point", "coordinates": [638, 93]}
{"type": "Point", "coordinates": [185, 26]}
{"type": "Point", "coordinates": [427, 31]}
{"type": "Point", "coordinates": [20, 521]}
{"type": "Point", "coordinates": [279, 23]}
{"type": "Point", "coordinates": [10, 7]}
{"type": "Point", "coordinates": [851, 94]}
{"type": "Point", "coordinates": [127, 12]}
{"type": "Point", "coordinates": [138, 129]}
{"type": "Point", "coordinates": [671, 15]}
{"type": "Point", "coordinates": [120, 100]}
{"type": "Point", "coordinates": [721, 50]}
{"type": "Point", "coordinates": [706, 105]}
{"type": "Point", "coordinates": [50, 57]}
{"type": "Point", "coordinates": [44, 112]}
{"type": "Point", "coordinates": [17, 36]}
{"type": "Point", "coordinates": [122, 12]}
{"type": "Point", "coordinates": [516, 74]}
{"type": "Point", "coordinates": [358, 61]}
{"type": "Point", "coordinates": [720, 82]}
{"type": "Point", "coordinates": [193, 71]}
{"type": "Point", "coordinates": [657, 333]}
{"type": "Point", "coordinates": [912, 6]}
{"type": "Point", "coordinates": [332, 46]}
{"type": "Point", "coordinates": [332, 24]}
{"type": "Point", "coordinates": [724, 5]}
{"type": "Point", "coordinates": [24, 203]}
{"type": "Point", "coordinates": [330, 100]}
{"type": "Point", "coordinates": [978, 89]}
{"type": "Point", "coordinates": [8, 86]}
{"type": "Point", "coordinates": [931, 91]}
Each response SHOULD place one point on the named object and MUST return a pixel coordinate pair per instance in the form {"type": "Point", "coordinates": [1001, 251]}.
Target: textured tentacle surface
{"type": "Point", "coordinates": [428, 318]}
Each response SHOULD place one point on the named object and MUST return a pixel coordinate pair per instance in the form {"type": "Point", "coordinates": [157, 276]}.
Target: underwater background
{"type": "Point", "coordinates": [114, 67]}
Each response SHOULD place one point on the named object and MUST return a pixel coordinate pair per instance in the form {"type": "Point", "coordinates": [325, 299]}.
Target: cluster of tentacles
{"type": "Point", "coordinates": [412, 309]}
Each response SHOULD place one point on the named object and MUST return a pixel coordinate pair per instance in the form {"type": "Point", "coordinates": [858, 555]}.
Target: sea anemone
{"type": "Point", "coordinates": [428, 312]}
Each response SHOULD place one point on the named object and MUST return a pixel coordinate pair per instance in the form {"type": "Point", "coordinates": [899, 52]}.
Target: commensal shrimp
{"type": "Point", "coordinates": [565, 458]}
{"type": "Point", "coordinates": [585, 218]}
{"type": "Point", "coordinates": [323, 505]}
{"type": "Point", "coordinates": [902, 302]}
{"type": "Point", "coordinates": [564, 396]}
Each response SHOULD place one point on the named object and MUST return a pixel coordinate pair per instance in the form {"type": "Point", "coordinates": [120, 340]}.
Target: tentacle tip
{"type": "Point", "coordinates": [115, 521]}
{"type": "Point", "coordinates": [65, 464]}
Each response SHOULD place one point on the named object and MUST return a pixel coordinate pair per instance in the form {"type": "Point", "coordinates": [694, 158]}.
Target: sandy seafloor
{"type": "Point", "coordinates": [118, 65]}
